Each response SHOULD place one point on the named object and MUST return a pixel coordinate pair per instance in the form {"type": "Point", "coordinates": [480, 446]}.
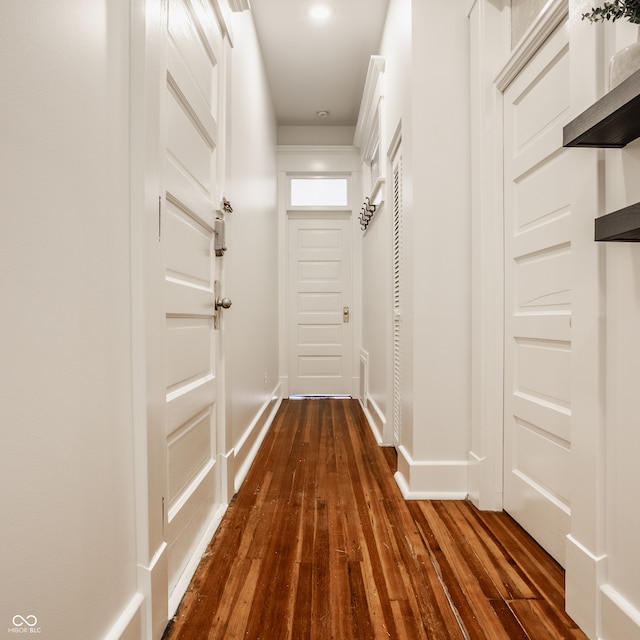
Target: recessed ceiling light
{"type": "Point", "coordinates": [320, 11]}
{"type": "Point", "coordinates": [323, 113]}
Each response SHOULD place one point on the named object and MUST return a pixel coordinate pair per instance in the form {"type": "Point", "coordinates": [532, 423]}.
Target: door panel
{"type": "Point", "coordinates": [319, 291]}
{"type": "Point", "coordinates": [538, 283]}
{"type": "Point", "coordinates": [192, 353]}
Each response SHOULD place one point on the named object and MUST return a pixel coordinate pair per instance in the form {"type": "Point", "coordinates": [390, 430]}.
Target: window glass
{"type": "Point", "coordinates": [523, 15]}
{"type": "Point", "coordinates": [319, 192]}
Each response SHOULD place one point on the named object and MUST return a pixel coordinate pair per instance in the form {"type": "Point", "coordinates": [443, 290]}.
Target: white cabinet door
{"type": "Point", "coordinates": [538, 284]}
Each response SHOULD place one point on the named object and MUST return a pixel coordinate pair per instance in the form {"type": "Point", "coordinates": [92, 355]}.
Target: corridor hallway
{"type": "Point", "coordinates": [319, 543]}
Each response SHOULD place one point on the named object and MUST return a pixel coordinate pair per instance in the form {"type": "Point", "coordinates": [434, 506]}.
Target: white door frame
{"type": "Point", "coordinates": [319, 160]}
{"type": "Point", "coordinates": [490, 44]}
{"type": "Point", "coordinates": [147, 315]}
{"type": "Point", "coordinates": [486, 453]}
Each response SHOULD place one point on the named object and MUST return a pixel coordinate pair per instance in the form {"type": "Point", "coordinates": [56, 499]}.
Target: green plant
{"type": "Point", "coordinates": [629, 9]}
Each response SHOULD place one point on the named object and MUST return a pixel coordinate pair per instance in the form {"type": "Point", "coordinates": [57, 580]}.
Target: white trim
{"type": "Point", "coordinates": [394, 145]}
{"type": "Point", "coordinates": [223, 13]}
{"type": "Point", "coordinates": [249, 444]}
{"type": "Point", "coordinates": [376, 419]}
{"type": "Point", "coordinates": [409, 494]}
{"type": "Point", "coordinates": [129, 625]}
{"type": "Point", "coordinates": [551, 16]}
{"type": "Point", "coordinates": [304, 149]}
{"type": "Point", "coordinates": [319, 214]}
{"type": "Point", "coordinates": [620, 619]}
{"type": "Point", "coordinates": [431, 479]}
{"type": "Point", "coordinates": [370, 98]}
{"type": "Point", "coordinates": [185, 578]}
{"type": "Point", "coordinates": [584, 572]}
{"type": "Point", "coordinates": [363, 390]}
{"type": "Point", "coordinates": [329, 159]}
{"type": "Point", "coordinates": [152, 581]}
{"type": "Point", "coordinates": [487, 283]}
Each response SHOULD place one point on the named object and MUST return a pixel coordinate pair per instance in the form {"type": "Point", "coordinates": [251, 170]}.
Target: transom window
{"type": "Point", "coordinates": [318, 192]}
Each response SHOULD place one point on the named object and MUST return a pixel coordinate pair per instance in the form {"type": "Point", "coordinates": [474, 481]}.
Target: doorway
{"type": "Point", "coordinates": [319, 270]}
{"type": "Point", "coordinates": [319, 315]}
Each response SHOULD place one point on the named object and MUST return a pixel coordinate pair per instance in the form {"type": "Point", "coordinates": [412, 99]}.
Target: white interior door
{"type": "Point", "coordinates": [537, 429]}
{"type": "Point", "coordinates": [192, 95]}
{"type": "Point", "coordinates": [319, 306]}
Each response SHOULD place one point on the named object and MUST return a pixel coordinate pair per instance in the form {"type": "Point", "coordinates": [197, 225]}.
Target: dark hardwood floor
{"type": "Point", "coordinates": [320, 544]}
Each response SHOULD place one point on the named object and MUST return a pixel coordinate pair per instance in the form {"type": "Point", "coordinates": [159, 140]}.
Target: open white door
{"type": "Point", "coordinates": [193, 96]}
{"type": "Point", "coordinates": [538, 283]}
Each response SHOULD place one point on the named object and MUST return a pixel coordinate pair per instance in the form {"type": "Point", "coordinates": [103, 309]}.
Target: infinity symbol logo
{"type": "Point", "coordinates": [30, 621]}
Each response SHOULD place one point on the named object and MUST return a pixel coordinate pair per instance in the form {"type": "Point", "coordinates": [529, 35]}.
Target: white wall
{"type": "Point", "coordinates": [68, 555]}
{"type": "Point", "coordinates": [377, 245]}
{"type": "Point", "coordinates": [72, 274]}
{"type": "Point", "coordinates": [621, 592]}
{"type": "Point", "coordinates": [426, 97]}
{"type": "Point", "coordinates": [441, 248]}
{"type": "Point", "coordinates": [251, 262]}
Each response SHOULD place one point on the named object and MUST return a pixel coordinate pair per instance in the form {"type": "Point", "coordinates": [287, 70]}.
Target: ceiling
{"type": "Point", "coordinates": [318, 65]}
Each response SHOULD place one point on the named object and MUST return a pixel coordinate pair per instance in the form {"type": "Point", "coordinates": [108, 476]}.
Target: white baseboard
{"type": "Point", "coordinates": [475, 489]}
{"type": "Point", "coordinates": [227, 467]}
{"type": "Point", "coordinates": [284, 386]}
{"type": "Point", "coordinates": [152, 581]}
{"type": "Point", "coordinates": [247, 448]}
{"type": "Point", "coordinates": [375, 418]}
{"type": "Point", "coordinates": [185, 578]}
{"type": "Point", "coordinates": [620, 618]}
{"type": "Point", "coordinates": [584, 573]}
{"type": "Point", "coordinates": [432, 479]}
{"type": "Point", "coordinates": [130, 623]}
{"type": "Point", "coordinates": [485, 486]}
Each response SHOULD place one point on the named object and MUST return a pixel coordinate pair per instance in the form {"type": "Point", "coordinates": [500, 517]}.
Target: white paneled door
{"type": "Point", "coordinates": [191, 171]}
{"type": "Point", "coordinates": [537, 429]}
{"type": "Point", "coordinates": [319, 306]}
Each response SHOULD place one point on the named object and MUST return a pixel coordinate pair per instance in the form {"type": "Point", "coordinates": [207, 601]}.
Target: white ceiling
{"type": "Point", "coordinates": [314, 66]}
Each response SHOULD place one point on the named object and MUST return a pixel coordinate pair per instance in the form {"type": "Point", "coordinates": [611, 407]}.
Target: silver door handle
{"type": "Point", "coordinates": [223, 303]}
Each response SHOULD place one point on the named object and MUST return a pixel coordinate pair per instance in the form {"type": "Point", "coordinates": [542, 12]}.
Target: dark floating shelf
{"type": "Point", "coordinates": [612, 122]}
{"type": "Point", "coordinates": [620, 226]}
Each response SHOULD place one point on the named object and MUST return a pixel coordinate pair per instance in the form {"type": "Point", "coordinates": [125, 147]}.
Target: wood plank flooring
{"type": "Point", "coordinates": [320, 544]}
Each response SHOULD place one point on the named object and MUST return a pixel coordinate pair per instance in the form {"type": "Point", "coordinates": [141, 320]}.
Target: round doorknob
{"type": "Point", "coordinates": [225, 303]}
